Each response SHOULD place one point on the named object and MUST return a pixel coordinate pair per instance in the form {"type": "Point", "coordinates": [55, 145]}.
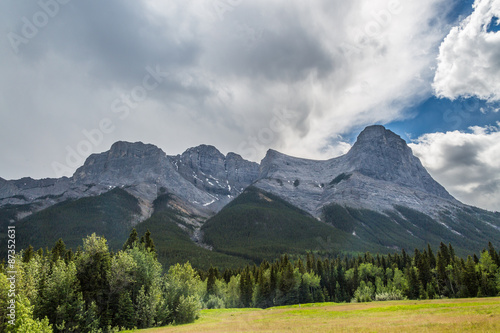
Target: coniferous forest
{"type": "Point", "coordinates": [96, 290]}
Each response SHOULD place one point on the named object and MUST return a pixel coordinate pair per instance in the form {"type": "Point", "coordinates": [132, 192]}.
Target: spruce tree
{"type": "Point", "coordinates": [132, 239]}
{"type": "Point", "coordinates": [28, 254]}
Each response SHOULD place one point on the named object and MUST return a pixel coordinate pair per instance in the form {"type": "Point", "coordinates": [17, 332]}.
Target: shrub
{"type": "Point", "coordinates": [393, 295]}
{"type": "Point", "coordinates": [364, 293]}
{"type": "Point", "coordinates": [214, 302]}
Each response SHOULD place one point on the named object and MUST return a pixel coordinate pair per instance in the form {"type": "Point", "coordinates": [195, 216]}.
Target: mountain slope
{"type": "Point", "coordinates": [108, 214]}
{"type": "Point", "coordinates": [259, 225]}
{"type": "Point", "coordinates": [173, 231]}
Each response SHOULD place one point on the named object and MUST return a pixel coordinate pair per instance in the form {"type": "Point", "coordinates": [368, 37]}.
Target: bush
{"type": "Point", "coordinates": [364, 293]}
{"type": "Point", "coordinates": [214, 302]}
{"type": "Point", "coordinates": [393, 295]}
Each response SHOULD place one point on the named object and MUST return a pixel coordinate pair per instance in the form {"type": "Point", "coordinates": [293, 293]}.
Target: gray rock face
{"type": "Point", "coordinates": [381, 154]}
{"type": "Point", "coordinates": [379, 171]}
{"type": "Point", "coordinates": [202, 178]}
{"type": "Point", "coordinates": [209, 170]}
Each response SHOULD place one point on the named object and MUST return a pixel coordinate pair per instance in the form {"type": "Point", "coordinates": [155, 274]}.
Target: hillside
{"type": "Point", "coordinates": [259, 225]}
{"type": "Point", "coordinates": [108, 214]}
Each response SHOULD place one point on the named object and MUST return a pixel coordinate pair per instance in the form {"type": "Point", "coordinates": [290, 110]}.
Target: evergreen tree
{"type": "Point", "coordinates": [148, 241]}
{"type": "Point", "coordinates": [59, 250]}
{"type": "Point", "coordinates": [432, 258]}
{"type": "Point", "coordinates": [246, 287]}
{"type": "Point", "coordinates": [414, 284]}
{"type": "Point", "coordinates": [494, 255]}
{"type": "Point", "coordinates": [28, 254]}
{"type": "Point", "coordinates": [132, 239]}
{"type": "Point", "coordinates": [212, 277]}
{"type": "Point", "coordinates": [424, 270]}
{"type": "Point", "coordinates": [125, 314]}
{"type": "Point", "coordinates": [445, 254]}
{"type": "Point", "coordinates": [470, 278]}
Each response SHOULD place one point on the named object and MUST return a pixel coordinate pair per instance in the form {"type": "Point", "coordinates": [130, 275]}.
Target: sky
{"type": "Point", "coordinates": [300, 77]}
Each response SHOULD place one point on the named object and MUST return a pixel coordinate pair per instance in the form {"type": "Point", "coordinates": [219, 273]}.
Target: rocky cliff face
{"type": "Point", "coordinates": [379, 171]}
{"type": "Point", "coordinates": [381, 154]}
{"type": "Point", "coordinates": [209, 170]}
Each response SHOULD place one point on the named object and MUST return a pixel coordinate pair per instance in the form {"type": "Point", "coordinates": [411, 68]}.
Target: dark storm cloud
{"type": "Point", "coordinates": [462, 155]}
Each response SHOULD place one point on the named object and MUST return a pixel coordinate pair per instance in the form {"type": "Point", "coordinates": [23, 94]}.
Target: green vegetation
{"type": "Point", "coordinates": [95, 289]}
{"type": "Point", "coordinates": [173, 244]}
{"type": "Point", "coordinates": [258, 225]}
{"type": "Point", "coordinates": [409, 229]}
{"type": "Point", "coordinates": [108, 214]}
{"type": "Point", "coordinates": [339, 178]}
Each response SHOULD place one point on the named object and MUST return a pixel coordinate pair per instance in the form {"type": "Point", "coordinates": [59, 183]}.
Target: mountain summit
{"type": "Point", "coordinates": [381, 154]}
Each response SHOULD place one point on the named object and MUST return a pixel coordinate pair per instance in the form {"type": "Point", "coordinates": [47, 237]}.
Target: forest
{"type": "Point", "coordinates": [96, 290]}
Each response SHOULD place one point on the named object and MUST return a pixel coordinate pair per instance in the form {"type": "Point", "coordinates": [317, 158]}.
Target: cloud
{"type": "Point", "coordinates": [469, 57]}
{"type": "Point", "coordinates": [244, 76]}
{"type": "Point", "coordinates": [467, 164]}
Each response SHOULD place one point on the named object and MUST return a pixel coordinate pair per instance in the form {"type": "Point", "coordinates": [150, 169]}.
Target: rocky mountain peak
{"type": "Point", "coordinates": [209, 170]}
{"type": "Point", "coordinates": [132, 150]}
{"type": "Point", "coordinates": [381, 154]}
{"type": "Point", "coordinates": [125, 163]}
{"type": "Point", "coordinates": [377, 137]}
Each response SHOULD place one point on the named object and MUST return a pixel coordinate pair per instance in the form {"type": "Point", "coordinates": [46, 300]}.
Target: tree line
{"type": "Point", "coordinates": [362, 278]}
{"type": "Point", "coordinates": [96, 290]}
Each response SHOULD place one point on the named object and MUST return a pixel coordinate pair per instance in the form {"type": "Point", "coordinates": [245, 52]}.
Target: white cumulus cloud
{"type": "Point", "coordinates": [469, 57]}
{"type": "Point", "coordinates": [466, 164]}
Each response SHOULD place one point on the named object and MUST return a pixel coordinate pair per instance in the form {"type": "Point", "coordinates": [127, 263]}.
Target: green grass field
{"type": "Point", "coordinates": [451, 315]}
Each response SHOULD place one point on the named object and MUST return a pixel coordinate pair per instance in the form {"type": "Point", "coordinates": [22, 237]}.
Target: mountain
{"type": "Point", "coordinates": [380, 192]}
{"type": "Point", "coordinates": [214, 208]}
{"type": "Point", "coordinates": [202, 177]}
{"type": "Point", "coordinates": [378, 172]}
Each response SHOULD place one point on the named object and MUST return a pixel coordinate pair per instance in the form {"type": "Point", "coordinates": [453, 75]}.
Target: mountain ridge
{"type": "Point", "coordinates": [378, 193]}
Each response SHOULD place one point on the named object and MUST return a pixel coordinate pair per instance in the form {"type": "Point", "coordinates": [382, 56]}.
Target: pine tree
{"type": "Point", "coordinates": [28, 254]}
{"type": "Point", "coordinates": [59, 250]}
{"type": "Point", "coordinates": [445, 254]}
{"type": "Point", "coordinates": [149, 244]}
{"type": "Point", "coordinates": [132, 239]}
{"type": "Point", "coordinates": [424, 271]}
{"type": "Point", "coordinates": [432, 258]}
{"type": "Point", "coordinates": [470, 278]}
{"type": "Point", "coordinates": [494, 255]}
{"type": "Point", "coordinates": [414, 284]}
{"type": "Point", "coordinates": [452, 252]}
{"type": "Point", "coordinates": [246, 287]}
{"type": "Point", "coordinates": [211, 281]}
{"type": "Point", "coordinates": [125, 315]}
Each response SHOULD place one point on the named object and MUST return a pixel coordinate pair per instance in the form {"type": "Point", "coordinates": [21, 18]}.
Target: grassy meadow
{"type": "Point", "coordinates": [450, 315]}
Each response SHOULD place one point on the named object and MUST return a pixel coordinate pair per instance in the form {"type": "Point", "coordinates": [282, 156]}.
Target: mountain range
{"type": "Point", "coordinates": [223, 210]}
